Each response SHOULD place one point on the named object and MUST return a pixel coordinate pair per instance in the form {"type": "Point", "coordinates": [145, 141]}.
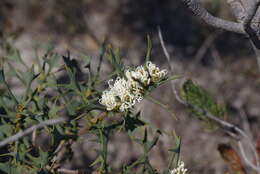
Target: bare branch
{"type": "Point", "coordinates": [257, 53]}
{"type": "Point", "coordinates": [237, 134]}
{"type": "Point", "coordinates": [229, 128]}
{"type": "Point", "coordinates": [247, 23]}
{"type": "Point", "coordinates": [167, 55]}
{"type": "Point", "coordinates": [68, 171]}
{"type": "Point", "coordinates": [251, 12]}
{"type": "Point", "coordinates": [60, 153]}
{"type": "Point", "coordinates": [197, 8]}
{"type": "Point", "coordinates": [249, 133]}
{"type": "Point", "coordinates": [216, 56]}
{"type": "Point", "coordinates": [30, 130]}
{"type": "Point", "coordinates": [242, 152]}
{"type": "Point", "coordinates": [205, 46]}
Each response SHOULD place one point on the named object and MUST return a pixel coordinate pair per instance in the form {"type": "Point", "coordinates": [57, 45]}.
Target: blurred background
{"type": "Point", "coordinates": [220, 61]}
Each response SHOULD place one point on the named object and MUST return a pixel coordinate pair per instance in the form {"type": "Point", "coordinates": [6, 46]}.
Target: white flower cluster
{"type": "Point", "coordinates": [180, 169]}
{"type": "Point", "coordinates": [123, 94]}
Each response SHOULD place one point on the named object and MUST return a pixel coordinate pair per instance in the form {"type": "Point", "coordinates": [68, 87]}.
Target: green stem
{"type": "Point", "coordinates": [166, 107]}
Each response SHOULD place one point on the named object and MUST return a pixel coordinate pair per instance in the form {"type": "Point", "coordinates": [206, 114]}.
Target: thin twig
{"type": "Point", "coordinates": [205, 46]}
{"type": "Point", "coordinates": [60, 153]}
{"type": "Point", "coordinates": [251, 31]}
{"type": "Point", "coordinates": [68, 171]}
{"type": "Point", "coordinates": [249, 133]}
{"type": "Point", "coordinates": [251, 11]}
{"type": "Point", "coordinates": [34, 134]}
{"type": "Point", "coordinates": [31, 129]}
{"type": "Point", "coordinates": [241, 149]}
{"type": "Point", "coordinates": [237, 134]}
{"type": "Point", "coordinates": [257, 53]}
{"type": "Point", "coordinates": [167, 108]}
{"type": "Point", "coordinates": [216, 56]}
{"type": "Point", "coordinates": [167, 55]}
{"type": "Point", "coordinates": [245, 122]}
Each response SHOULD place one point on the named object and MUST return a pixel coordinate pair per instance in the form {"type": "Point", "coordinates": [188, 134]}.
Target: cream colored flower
{"type": "Point", "coordinates": [108, 99]}
{"type": "Point", "coordinates": [125, 93]}
{"type": "Point", "coordinates": [180, 169]}
{"type": "Point", "coordinates": [122, 90]}
{"type": "Point", "coordinates": [128, 74]}
{"type": "Point", "coordinates": [140, 74]}
{"type": "Point", "coordinates": [155, 72]}
{"type": "Point", "coordinates": [125, 106]}
{"type": "Point", "coordinates": [136, 88]}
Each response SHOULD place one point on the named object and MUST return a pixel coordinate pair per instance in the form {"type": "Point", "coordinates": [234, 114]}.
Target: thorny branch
{"type": "Point", "coordinates": [30, 130]}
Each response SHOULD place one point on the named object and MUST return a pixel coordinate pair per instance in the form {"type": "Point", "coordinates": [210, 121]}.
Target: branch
{"type": "Point", "coordinates": [196, 7]}
{"type": "Point", "coordinates": [30, 130]}
{"type": "Point", "coordinates": [251, 11]}
{"type": "Point", "coordinates": [167, 55]}
{"type": "Point", "coordinates": [241, 149]}
{"type": "Point", "coordinates": [68, 171]}
{"type": "Point", "coordinates": [237, 134]}
{"type": "Point", "coordinates": [249, 133]}
{"type": "Point", "coordinates": [229, 128]}
{"type": "Point", "coordinates": [252, 33]}
{"type": "Point", "coordinates": [205, 46]}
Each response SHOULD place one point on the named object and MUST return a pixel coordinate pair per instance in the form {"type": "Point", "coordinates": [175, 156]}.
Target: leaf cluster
{"type": "Point", "coordinates": [55, 86]}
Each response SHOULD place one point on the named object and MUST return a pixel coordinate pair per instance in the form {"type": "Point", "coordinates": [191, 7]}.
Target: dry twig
{"type": "Point", "coordinates": [68, 171]}
{"type": "Point", "coordinates": [31, 129]}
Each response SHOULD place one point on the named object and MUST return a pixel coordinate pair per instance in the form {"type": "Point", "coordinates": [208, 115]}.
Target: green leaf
{"type": "Point", "coordinates": [2, 80]}
{"type": "Point", "coordinates": [14, 72]}
{"type": "Point", "coordinates": [86, 60]}
{"type": "Point", "coordinates": [5, 167]}
{"type": "Point", "coordinates": [98, 160]}
{"type": "Point", "coordinates": [149, 49]}
{"type": "Point", "coordinates": [116, 62]}
{"type": "Point", "coordinates": [15, 55]}
{"type": "Point", "coordinates": [131, 123]}
{"type": "Point", "coordinates": [5, 131]}
{"type": "Point", "coordinates": [72, 68]}
{"type": "Point", "coordinates": [52, 61]}
{"type": "Point", "coordinates": [41, 160]}
{"type": "Point", "coordinates": [150, 144]}
{"type": "Point", "coordinates": [201, 102]}
{"type": "Point", "coordinates": [2, 76]}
